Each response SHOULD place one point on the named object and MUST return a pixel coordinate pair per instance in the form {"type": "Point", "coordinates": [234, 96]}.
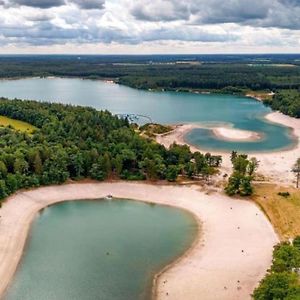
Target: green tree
{"type": "Point", "coordinates": [190, 169]}
{"type": "Point", "coordinates": [20, 165]}
{"type": "Point", "coordinates": [107, 164]}
{"type": "Point", "coordinates": [154, 168]}
{"type": "Point", "coordinates": [245, 187]}
{"type": "Point", "coordinates": [172, 173]}
{"type": "Point", "coordinates": [3, 190]}
{"type": "Point", "coordinates": [37, 163]}
{"type": "Point", "coordinates": [76, 165]}
{"type": "Point", "coordinates": [102, 168]}
{"type": "Point", "coordinates": [296, 242]}
{"type": "Point", "coordinates": [240, 181]}
{"type": "Point", "coordinates": [117, 164]}
{"type": "Point", "coordinates": [3, 170]}
{"type": "Point", "coordinates": [296, 170]}
{"type": "Point", "coordinates": [12, 183]}
{"type": "Point", "coordinates": [207, 172]}
{"type": "Point", "coordinates": [233, 185]}
{"type": "Point", "coordinates": [200, 162]}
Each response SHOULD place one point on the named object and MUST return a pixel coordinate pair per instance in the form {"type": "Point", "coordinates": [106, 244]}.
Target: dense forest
{"type": "Point", "coordinates": [282, 281]}
{"type": "Point", "coordinates": [287, 101]}
{"type": "Point", "coordinates": [74, 142]}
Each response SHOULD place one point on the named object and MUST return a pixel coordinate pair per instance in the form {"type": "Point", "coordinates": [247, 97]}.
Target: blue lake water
{"type": "Point", "coordinates": [106, 250]}
{"type": "Point", "coordinates": [162, 107]}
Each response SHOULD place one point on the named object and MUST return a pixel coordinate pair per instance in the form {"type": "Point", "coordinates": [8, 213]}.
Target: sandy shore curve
{"type": "Point", "coordinates": [275, 166]}
{"type": "Point", "coordinates": [227, 261]}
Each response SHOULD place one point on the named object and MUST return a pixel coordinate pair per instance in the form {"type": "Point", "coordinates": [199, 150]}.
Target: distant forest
{"type": "Point", "coordinates": [217, 73]}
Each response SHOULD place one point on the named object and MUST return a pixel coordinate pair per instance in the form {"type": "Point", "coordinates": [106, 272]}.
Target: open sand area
{"type": "Point", "coordinates": [230, 256]}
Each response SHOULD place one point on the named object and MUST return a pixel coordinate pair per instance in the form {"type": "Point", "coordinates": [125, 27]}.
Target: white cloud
{"type": "Point", "coordinates": [143, 26]}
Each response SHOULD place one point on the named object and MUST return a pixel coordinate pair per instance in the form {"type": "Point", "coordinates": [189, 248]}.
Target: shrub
{"type": "Point", "coordinates": [284, 194]}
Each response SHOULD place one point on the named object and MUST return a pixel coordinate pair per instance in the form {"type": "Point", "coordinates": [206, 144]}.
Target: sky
{"type": "Point", "coordinates": [149, 26]}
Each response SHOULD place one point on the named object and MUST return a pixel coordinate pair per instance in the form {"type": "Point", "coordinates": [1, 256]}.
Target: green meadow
{"type": "Point", "coordinates": [16, 124]}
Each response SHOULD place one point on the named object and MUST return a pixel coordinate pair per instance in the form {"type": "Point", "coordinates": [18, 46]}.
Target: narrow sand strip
{"type": "Point", "coordinates": [231, 255]}
{"type": "Point", "coordinates": [275, 166]}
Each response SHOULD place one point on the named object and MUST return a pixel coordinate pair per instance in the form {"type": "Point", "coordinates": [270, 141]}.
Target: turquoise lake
{"type": "Point", "coordinates": [108, 250]}
{"type": "Point", "coordinates": [162, 107]}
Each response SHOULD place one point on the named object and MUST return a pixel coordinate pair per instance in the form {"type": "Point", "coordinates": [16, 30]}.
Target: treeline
{"type": "Point", "coordinates": [228, 77]}
{"type": "Point", "coordinates": [232, 78]}
{"type": "Point", "coordinates": [286, 101]}
{"type": "Point", "coordinates": [282, 280]}
{"type": "Point", "coordinates": [74, 142]}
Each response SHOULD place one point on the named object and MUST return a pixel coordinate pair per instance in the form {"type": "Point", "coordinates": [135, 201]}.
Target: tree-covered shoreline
{"type": "Point", "coordinates": [282, 279]}
{"type": "Point", "coordinates": [241, 75]}
{"type": "Point", "coordinates": [286, 101]}
{"type": "Point", "coordinates": [74, 142]}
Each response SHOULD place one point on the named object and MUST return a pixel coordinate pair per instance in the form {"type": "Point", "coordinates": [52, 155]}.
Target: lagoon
{"type": "Point", "coordinates": [108, 249]}
{"type": "Point", "coordinates": [163, 107]}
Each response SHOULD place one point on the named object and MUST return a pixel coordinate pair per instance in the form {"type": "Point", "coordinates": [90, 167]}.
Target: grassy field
{"type": "Point", "coordinates": [282, 211]}
{"type": "Point", "coordinates": [17, 125]}
{"type": "Point", "coordinates": [151, 130]}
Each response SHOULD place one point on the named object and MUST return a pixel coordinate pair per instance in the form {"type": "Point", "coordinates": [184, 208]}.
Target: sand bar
{"type": "Point", "coordinates": [238, 135]}
{"type": "Point", "coordinates": [231, 255]}
{"type": "Point", "coordinates": [275, 166]}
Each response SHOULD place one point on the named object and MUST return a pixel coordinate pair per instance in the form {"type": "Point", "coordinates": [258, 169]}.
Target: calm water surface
{"type": "Point", "coordinates": [162, 107]}
{"type": "Point", "coordinates": [108, 250]}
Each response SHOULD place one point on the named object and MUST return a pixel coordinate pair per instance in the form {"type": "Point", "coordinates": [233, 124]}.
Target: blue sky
{"type": "Point", "coordinates": [149, 26]}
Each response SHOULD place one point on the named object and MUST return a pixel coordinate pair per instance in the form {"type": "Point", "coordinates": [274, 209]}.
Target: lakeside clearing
{"type": "Point", "coordinates": [16, 124]}
{"type": "Point", "coordinates": [260, 95]}
{"type": "Point", "coordinates": [228, 259]}
{"type": "Point", "coordinates": [275, 166]}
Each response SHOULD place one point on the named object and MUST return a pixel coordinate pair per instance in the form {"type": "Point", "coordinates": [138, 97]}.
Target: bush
{"type": "Point", "coordinates": [277, 286]}
{"type": "Point", "coordinates": [3, 190]}
{"type": "Point", "coordinates": [284, 194]}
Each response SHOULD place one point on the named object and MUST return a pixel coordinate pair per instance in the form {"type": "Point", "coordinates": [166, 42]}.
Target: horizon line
{"type": "Point", "coordinates": [148, 54]}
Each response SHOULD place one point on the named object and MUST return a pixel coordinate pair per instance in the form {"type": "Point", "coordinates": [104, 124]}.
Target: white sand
{"type": "Point", "coordinates": [231, 255]}
{"type": "Point", "coordinates": [275, 166]}
{"type": "Point", "coordinates": [238, 135]}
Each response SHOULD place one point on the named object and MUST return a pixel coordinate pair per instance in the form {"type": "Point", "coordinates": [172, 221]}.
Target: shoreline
{"type": "Point", "coordinates": [114, 80]}
{"type": "Point", "coordinates": [157, 279]}
{"type": "Point", "coordinates": [274, 165]}
{"type": "Point", "coordinates": [213, 261]}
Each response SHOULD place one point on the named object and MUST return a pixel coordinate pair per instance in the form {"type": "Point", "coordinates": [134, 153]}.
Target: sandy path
{"type": "Point", "coordinates": [276, 166]}
{"type": "Point", "coordinates": [227, 261]}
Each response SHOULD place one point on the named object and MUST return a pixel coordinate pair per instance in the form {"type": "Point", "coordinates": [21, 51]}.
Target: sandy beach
{"type": "Point", "coordinates": [231, 255]}
{"type": "Point", "coordinates": [274, 166]}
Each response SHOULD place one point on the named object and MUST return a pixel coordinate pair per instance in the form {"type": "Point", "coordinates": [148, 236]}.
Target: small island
{"type": "Point", "coordinates": [232, 134]}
